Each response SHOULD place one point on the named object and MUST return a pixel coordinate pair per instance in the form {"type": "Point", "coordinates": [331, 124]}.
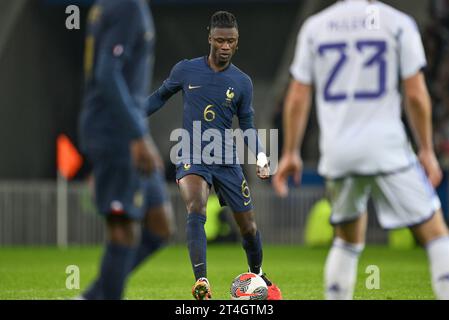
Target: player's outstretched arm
{"type": "Point", "coordinates": [168, 88]}
{"type": "Point", "coordinates": [296, 114]}
{"type": "Point", "coordinates": [157, 100]}
{"type": "Point", "coordinates": [419, 110]}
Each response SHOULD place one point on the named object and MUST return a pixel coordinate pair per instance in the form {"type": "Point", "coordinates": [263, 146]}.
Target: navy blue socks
{"type": "Point", "coordinates": [197, 243]}
{"type": "Point", "coordinates": [113, 273]}
{"type": "Point", "coordinates": [253, 248]}
{"type": "Point", "coordinates": [149, 243]}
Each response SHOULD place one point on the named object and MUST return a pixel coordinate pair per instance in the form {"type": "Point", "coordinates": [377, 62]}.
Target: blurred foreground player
{"type": "Point", "coordinates": [215, 91]}
{"type": "Point", "coordinates": [354, 54]}
{"type": "Point", "coordinates": [129, 183]}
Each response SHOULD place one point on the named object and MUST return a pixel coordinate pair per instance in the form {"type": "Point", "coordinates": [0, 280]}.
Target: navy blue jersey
{"type": "Point", "coordinates": [118, 65]}
{"type": "Point", "coordinates": [211, 100]}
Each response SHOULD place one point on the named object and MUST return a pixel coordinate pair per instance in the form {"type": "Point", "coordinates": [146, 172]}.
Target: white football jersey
{"type": "Point", "coordinates": [356, 53]}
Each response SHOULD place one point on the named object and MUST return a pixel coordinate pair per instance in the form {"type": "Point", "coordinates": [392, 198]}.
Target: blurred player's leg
{"type": "Point", "coordinates": [433, 234]}
{"type": "Point", "coordinates": [340, 270]}
{"type": "Point", "coordinates": [420, 208]}
{"type": "Point", "coordinates": [118, 256]}
{"type": "Point", "coordinates": [116, 183]}
{"type": "Point", "coordinates": [157, 226]}
{"type": "Point", "coordinates": [195, 191]}
{"type": "Point", "coordinates": [156, 230]}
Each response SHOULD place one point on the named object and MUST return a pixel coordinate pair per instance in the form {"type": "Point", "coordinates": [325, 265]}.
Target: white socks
{"type": "Point", "coordinates": [438, 253]}
{"type": "Point", "coordinates": [342, 261]}
{"type": "Point", "coordinates": [340, 271]}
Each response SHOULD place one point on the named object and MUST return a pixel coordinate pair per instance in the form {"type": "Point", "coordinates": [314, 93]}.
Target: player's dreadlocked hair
{"type": "Point", "coordinates": [223, 19]}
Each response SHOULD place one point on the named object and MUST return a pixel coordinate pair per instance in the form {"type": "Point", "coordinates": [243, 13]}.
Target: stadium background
{"type": "Point", "coordinates": [41, 87]}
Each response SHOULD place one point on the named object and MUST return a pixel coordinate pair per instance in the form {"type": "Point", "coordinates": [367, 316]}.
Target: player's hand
{"type": "Point", "coordinates": [158, 163]}
{"type": "Point", "coordinates": [142, 155]}
{"type": "Point", "coordinates": [290, 164]}
{"type": "Point", "coordinates": [263, 167]}
{"type": "Point", "coordinates": [431, 166]}
{"type": "Point", "coordinates": [263, 172]}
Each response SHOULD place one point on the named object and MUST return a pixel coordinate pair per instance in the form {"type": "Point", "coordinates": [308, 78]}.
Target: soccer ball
{"type": "Point", "coordinates": [249, 286]}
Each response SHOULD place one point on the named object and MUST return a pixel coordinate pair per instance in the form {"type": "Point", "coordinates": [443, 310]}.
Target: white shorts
{"type": "Point", "coordinates": [401, 199]}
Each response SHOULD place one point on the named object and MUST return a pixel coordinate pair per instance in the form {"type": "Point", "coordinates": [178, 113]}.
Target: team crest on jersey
{"type": "Point", "coordinates": [229, 96]}
{"type": "Point", "coordinates": [138, 199]}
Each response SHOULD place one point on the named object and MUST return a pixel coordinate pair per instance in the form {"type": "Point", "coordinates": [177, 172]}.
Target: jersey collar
{"type": "Point", "coordinates": [207, 65]}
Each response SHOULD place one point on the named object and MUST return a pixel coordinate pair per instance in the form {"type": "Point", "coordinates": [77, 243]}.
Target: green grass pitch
{"type": "Point", "coordinates": [40, 273]}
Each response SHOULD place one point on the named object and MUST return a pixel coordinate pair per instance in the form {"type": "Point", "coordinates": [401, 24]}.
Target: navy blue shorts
{"type": "Point", "coordinates": [229, 183]}
{"type": "Point", "coordinates": [121, 190]}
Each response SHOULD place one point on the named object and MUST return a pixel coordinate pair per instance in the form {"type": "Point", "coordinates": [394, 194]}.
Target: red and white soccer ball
{"type": "Point", "coordinates": [249, 286]}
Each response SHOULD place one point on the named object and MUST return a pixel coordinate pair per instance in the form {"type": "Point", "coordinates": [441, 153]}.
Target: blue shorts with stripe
{"type": "Point", "coordinates": [229, 183]}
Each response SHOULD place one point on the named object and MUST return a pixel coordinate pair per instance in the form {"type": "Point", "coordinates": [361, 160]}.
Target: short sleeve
{"type": "Point", "coordinates": [411, 50]}
{"type": "Point", "coordinates": [301, 68]}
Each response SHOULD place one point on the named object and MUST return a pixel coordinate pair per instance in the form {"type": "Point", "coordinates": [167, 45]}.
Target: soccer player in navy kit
{"type": "Point", "coordinates": [215, 91]}
{"type": "Point", "coordinates": [129, 184]}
